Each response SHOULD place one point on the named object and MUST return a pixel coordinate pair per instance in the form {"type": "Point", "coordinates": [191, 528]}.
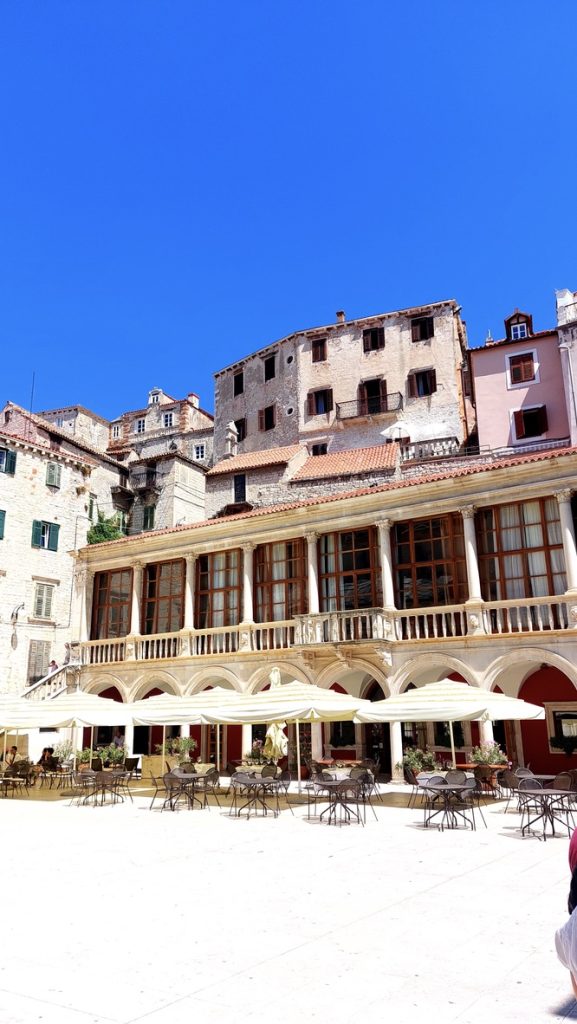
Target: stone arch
{"type": "Point", "coordinates": [510, 671]}
{"type": "Point", "coordinates": [261, 677]}
{"type": "Point", "coordinates": [154, 680]}
{"type": "Point", "coordinates": [106, 682]}
{"type": "Point", "coordinates": [212, 676]}
{"type": "Point", "coordinates": [363, 672]}
{"type": "Point", "coordinates": [428, 668]}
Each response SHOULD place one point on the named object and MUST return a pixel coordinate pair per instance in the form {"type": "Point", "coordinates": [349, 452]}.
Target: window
{"type": "Point", "coordinates": [530, 422]}
{"type": "Point", "coordinates": [343, 735]}
{"type": "Point", "coordinates": [45, 535]}
{"type": "Point", "coordinates": [348, 570]}
{"type": "Point", "coordinates": [319, 449]}
{"type": "Point", "coordinates": [199, 451]}
{"type": "Point", "coordinates": [319, 350]}
{"type": "Point", "coordinates": [111, 604]}
{"type": "Point", "coordinates": [373, 339]}
{"type": "Point", "coordinates": [319, 402]}
{"type": "Point", "coordinates": [422, 383]}
{"type": "Point", "coordinates": [53, 474]}
{"type": "Point", "coordinates": [154, 397]}
{"type": "Point", "coordinates": [429, 562]}
{"type": "Point", "coordinates": [43, 597]}
{"type": "Point", "coordinates": [2, 522]}
{"type": "Point", "coordinates": [518, 331]}
{"type": "Point", "coordinates": [115, 431]}
{"type": "Point", "coordinates": [7, 461]}
{"type": "Point", "coordinates": [520, 551]}
{"type": "Point", "coordinates": [218, 589]}
{"type": "Point", "coordinates": [168, 419]}
{"type": "Point", "coordinates": [148, 517]}
{"type": "Point", "coordinates": [38, 658]}
{"type": "Point", "coordinates": [139, 426]}
{"type": "Point", "coordinates": [240, 487]}
{"type": "Point", "coordinates": [522, 368]}
{"type": "Point", "coordinates": [238, 383]}
{"type": "Point", "coordinates": [59, 421]}
{"type": "Point", "coordinates": [270, 367]}
{"type": "Point", "coordinates": [267, 418]}
{"type": "Point", "coordinates": [372, 397]}
{"type": "Point", "coordinates": [422, 328]}
{"type": "Point", "coordinates": [241, 428]}
{"type": "Point", "coordinates": [91, 507]}
{"type": "Point", "coordinates": [280, 579]}
{"type": "Point", "coordinates": [163, 597]}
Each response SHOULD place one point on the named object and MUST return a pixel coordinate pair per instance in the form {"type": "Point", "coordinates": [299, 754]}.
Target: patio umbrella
{"type": "Point", "coordinates": [450, 701]}
{"type": "Point", "coordinates": [194, 709]}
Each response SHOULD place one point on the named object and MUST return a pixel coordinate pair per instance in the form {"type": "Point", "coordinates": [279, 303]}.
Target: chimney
{"type": "Point", "coordinates": [193, 399]}
{"type": "Point", "coordinates": [341, 316]}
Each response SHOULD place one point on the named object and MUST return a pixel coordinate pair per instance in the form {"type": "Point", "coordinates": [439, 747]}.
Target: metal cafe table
{"type": "Point", "coordinates": [450, 811]}
{"type": "Point", "coordinates": [547, 807]}
{"type": "Point", "coordinates": [254, 789]}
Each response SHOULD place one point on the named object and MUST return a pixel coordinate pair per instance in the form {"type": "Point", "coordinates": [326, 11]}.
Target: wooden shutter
{"type": "Point", "coordinates": [429, 327]}
{"type": "Point", "coordinates": [412, 382]}
{"type": "Point", "coordinates": [432, 381]}
{"type": "Point", "coordinates": [261, 419]}
{"type": "Point", "coordinates": [43, 601]}
{"type": "Point", "coordinates": [329, 400]}
{"type": "Point", "coordinates": [362, 400]}
{"type": "Point", "coordinates": [2, 521]}
{"type": "Point", "coordinates": [36, 534]}
{"type": "Point", "coordinates": [38, 655]}
{"type": "Point", "coordinates": [543, 425]}
{"type": "Point", "coordinates": [416, 330]}
{"type": "Point", "coordinates": [311, 404]}
{"type": "Point", "coordinates": [366, 341]}
{"type": "Point", "coordinates": [380, 335]}
{"type": "Point", "coordinates": [53, 532]}
{"type": "Point", "coordinates": [53, 474]}
{"type": "Point", "coordinates": [519, 421]}
{"type": "Point", "coordinates": [10, 463]}
{"type": "Point", "coordinates": [383, 395]}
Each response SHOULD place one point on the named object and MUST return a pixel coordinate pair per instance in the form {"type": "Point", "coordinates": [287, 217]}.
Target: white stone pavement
{"type": "Point", "coordinates": [118, 914]}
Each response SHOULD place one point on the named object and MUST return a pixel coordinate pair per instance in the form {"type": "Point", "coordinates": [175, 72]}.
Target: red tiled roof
{"type": "Point", "coordinates": [380, 489]}
{"type": "Point", "coordinates": [515, 341]}
{"type": "Point", "coordinates": [351, 462]}
{"type": "Point", "coordinates": [72, 439]}
{"type": "Point", "coordinates": [253, 460]}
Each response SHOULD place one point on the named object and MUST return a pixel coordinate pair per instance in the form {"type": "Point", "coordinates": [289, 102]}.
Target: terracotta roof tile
{"type": "Point", "coordinates": [552, 332]}
{"type": "Point", "coordinates": [359, 492]}
{"type": "Point", "coordinates": [253, 460]}
{"type": "Point", "coordinates": [351, 462]}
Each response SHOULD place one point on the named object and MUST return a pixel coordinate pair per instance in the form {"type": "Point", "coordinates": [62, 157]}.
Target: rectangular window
{"type": "Point", "coordinates": [520, 551]}
{"type": "Point", "coordinates": [140, 426]}
{"type": "Point", "coordinates": [168, 419]}
{"type": "Point", "coordinates": [270, 367]}
{"type": "Point", "coordinates": [241, 428]}
{"type": "Point", "coordinates": [518, 331]}
{"type": "Point", "coordinates": [240, 487]}
{"type": "Point", "coordinates": [530, 422]}
{"type": "Point", "coordinates": [422, 383]}
{"type": "Point", "coordinates": [116, 431]}
{"type": "Point", "coordinates": [280, 580]}
{"type": "Point", "coordinates": [38, 659]}
{"type": "Point", "coordinates": [43, 597]}
{"type": "Point", "coordinates": [59, 421]}
{"type": "Point", "coordinates": [372, 397]}
{"type": "Point", "coordinates": [91, 507]}
{"type": "Point", "coordinates": [7, 461]}
{"type": "Point", "coordinates": [218, 589]}
{"type": "Point", "coordinates": [45, 535]}
{"type": "Point", "coordinates": [319, 449]}
{"type": "Point", "coordinates": [422, 328]}
{"type": "Point", "coordinates": [522, 368]}
{"type": "Point", "coordinates": [319, 350]}
{"type": "Point", "coordinates": [429, 562]}
{"type": "Point", "coordinates": [111, 604]}
{"type": "Point", "coordinates": [53, 474]}
{"type": "Point", "coordinates": [163, 597]}
{"type": "Point", "coordinates": [199, 452]}
{"type": "Point", "coordinates": [238, 383]}
{"type": "Point", "coordinates": [267, 418]}
{"type": "Point", "coordinates": [148, 517]}
{"type": "Point", "coordinates": [348, 575]}
{"type": "Point", "coordinates": [319, 402]}
{"type": "Point", "coordinates": [373, 339]}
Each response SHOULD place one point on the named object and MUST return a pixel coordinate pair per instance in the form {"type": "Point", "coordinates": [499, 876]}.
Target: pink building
{"type": "Point", "coordinates": [519, 387]}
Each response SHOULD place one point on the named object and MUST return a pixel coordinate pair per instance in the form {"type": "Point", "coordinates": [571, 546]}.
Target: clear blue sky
{"type": "Point", "coordinates": [184, 181]}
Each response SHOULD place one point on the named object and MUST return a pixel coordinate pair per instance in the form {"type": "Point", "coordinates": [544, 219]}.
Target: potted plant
{"type": "Point", "coordinates": [83, 759]}
{"type": "Point", "coordinates": [64, 751]}
{"type": "Point", "coordinates": [179, 747]}
{"type": "Point", "coordinates": [418, 760]}
{"type": "Point", "coordinates": [489, 753]}
{"type": "Point", "coordinates": [567, 743]}
{"type": "Point", "coordinates": [111, 756]}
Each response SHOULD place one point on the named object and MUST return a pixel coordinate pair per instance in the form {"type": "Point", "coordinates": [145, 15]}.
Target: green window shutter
{"type": "Point", "coordinates": [53, 537]}
{"type": "Point", "coordinates": [53, 474]}
{"type": "Point", "coordinates": [10, 464]}
{"type": "Point", "coordinates": [36, 534]}
{"type": "Point", "coordinates": [2, 521]}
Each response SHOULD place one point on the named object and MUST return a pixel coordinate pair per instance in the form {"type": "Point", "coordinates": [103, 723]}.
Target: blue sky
{"type": "Point", "coordinates": [182, 182]}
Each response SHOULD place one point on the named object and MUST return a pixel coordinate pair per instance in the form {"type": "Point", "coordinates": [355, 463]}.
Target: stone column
{"type": "Point", "coordinates": [473, 578]}
{"type": "Point", "coordinates": [189, 585]}
{"type": "Point", "coordinates": [396, 751]}
{"type": "Point", "coordinates": [312, 573]}
{"type": "Point", "coordinates": [316, 741]}
{"type": "Point", "coordinates": [129, 740]}
{"type": "Point", "coordinates": [486, 732]}
{"type": "Point", "coordinates": [247, 579]}
{"type": "Point", "coordinates": [136, 598]}
{"type": "Point", "coordinates": [82, 581]}
{"type": "Point", "coordinates": [568, 535]}
{"type": "Point", "coordinates": [384, 528]}
{"type": "Point", "coordinates": [246, 739]}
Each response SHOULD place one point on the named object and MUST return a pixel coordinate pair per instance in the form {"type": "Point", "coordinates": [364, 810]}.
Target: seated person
{"type": "Point", "coordinates": [47, 762]}
{"type": "Point", "coordinates": [12, 756]}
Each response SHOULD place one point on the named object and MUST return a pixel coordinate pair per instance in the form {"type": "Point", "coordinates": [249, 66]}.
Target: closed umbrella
{"type": "Point", "coordinates": [276, 741]}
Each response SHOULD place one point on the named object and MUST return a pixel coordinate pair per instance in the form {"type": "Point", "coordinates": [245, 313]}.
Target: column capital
{"type": "Point", "coordinates": [384, 525]}
{"type": "Point", "coordinates": [467, 511]}
{"type": "Point", "coordinates": [564, 494]}
{"type": "Point", "coordinates": [138, 565]}
{"type": "Point", "coordinates": [248, 546]}
{"type": "Point", "coordinates": [311, 536]}
{"type": "Point", "coordinates": [191, 557]}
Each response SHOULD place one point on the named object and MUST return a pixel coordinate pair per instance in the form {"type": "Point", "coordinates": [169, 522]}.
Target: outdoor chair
{"type": "Point", "coordinates": [284, 781]}
{"type": "Point", "coordinates": [158, 785]}
{"type": "Point", "coordinates": [523, 773]}
{"type": "Point", "coordinates": [131, 766]}
{"type": "Point", "coordinates": [83, 785]}
{"type": "Point", "coordinates": [528, 800]}
{"type": "Point", "coordinates": [467, 800]}
{"type": "Point", "coordinates": [347, 800]}
{"type": "Point", "coordinates": [270, 771]}
{"type": "Point", "coordinates": [508, 784]}
{"type": "Point", "coordinates": [96, 764]}
{"type": "Point", "coordinates": [484, 776]}
{"type": "Point", "coordinates": [174, 788]}
{"type": "Point", "coordinates": [207, 784]}
{"type": "Point", "coordinates": [366, 781]}
{"type": "Point", "coordinates": [412, 781]}
{"type": "Point", "coordinates": [456, 776]}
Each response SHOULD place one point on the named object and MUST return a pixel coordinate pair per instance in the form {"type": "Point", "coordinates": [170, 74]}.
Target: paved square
{"type": "Point", "coordinates": [118, 914]}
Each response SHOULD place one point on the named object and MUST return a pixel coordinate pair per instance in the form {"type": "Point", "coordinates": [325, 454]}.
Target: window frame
{"type": "Point", "coordinates": [427, 373]}
{"type": "Point", "coordinates": [155, 604]}
{"type": "Point", "coordinates": [238, 383]}
{"type": "Point", "coordinates": [204, 592]}
{"type": "Point", "coordinates": [339, 555]}
{"type": "Point", "coordinates": [239, 488]}
{"type": "Point", "coordinates": [265, 416]}
{"type": "Point", "coordinates": [319, 350]}
{"type": "Point", "coordinates": [279, 597]}
{"type": "Point", "coordinates": [412, 564]}
{"type": "Point", "coordinates": [241, 428]}
{"type": "Point", "coordinates": [45, 535]}
{"type": "Point", "coordinates": [523, 331]}
{"type": "Point", "coordinates": [53, 474]}
{"type": "Point", "coordinates": [38, 654]}
{"type": "Point", "coordinates": [140, 425]}
{"type": "Point", "coordinates": [422, 328]}
{"type": "Point", "coordinates": [320, 396]}
{"type": "Point", "coordinates": [2, 523]}
{"type": "Point", "coordinates": [44, 600]}
{"type": "Point", "coordinates": [116, 431]}
{"type": "Point", "coordinates": [373, 339]}
{"type": "Point", "coordinates": [529, 354]}
{"type": "Point", "coordinates": [7, 461]}
{"type": "Point", "coordinates": [268, 363]}
{"type": "Point", "coordinates": [496, 556]}
{"type": "Point", "coordinates": [200, 451]}
{"type": "Point", "coordinates": [168, 419]}
{"type": "Point", "coordinates": [111, 611]}
{"type": "Point", "coordinates": [518, 417]}
{"type": "Point", "coordinates": [148, 517]}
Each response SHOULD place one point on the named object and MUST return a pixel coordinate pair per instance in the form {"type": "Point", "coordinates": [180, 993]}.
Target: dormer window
{"type": "Point", "coordinates": [115, 431]}
{"type": "Point", "coordinates": [518, 326]}
{"type": "Point", "coordinates": [518, 331]}
{"type": "Point", "coordinates": [154, 396]}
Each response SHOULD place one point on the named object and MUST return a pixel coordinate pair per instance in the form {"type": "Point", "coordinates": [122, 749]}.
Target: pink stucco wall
{"type": "Point", "coordinates": [496, 399]}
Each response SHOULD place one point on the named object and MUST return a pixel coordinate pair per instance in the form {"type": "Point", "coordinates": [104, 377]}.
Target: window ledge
{"type": "Point", "coordinates": [41, 622]}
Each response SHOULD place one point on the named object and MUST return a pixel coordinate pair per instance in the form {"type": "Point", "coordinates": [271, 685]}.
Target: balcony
{"type": "Point", "coordinates": [145, 481]}
{"type": "Point", "coordinates": [435, 448]}
{"type": "Point", "coordinates": [362, 408]}
{"type": "Point", "coordinates": [359, 626]}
